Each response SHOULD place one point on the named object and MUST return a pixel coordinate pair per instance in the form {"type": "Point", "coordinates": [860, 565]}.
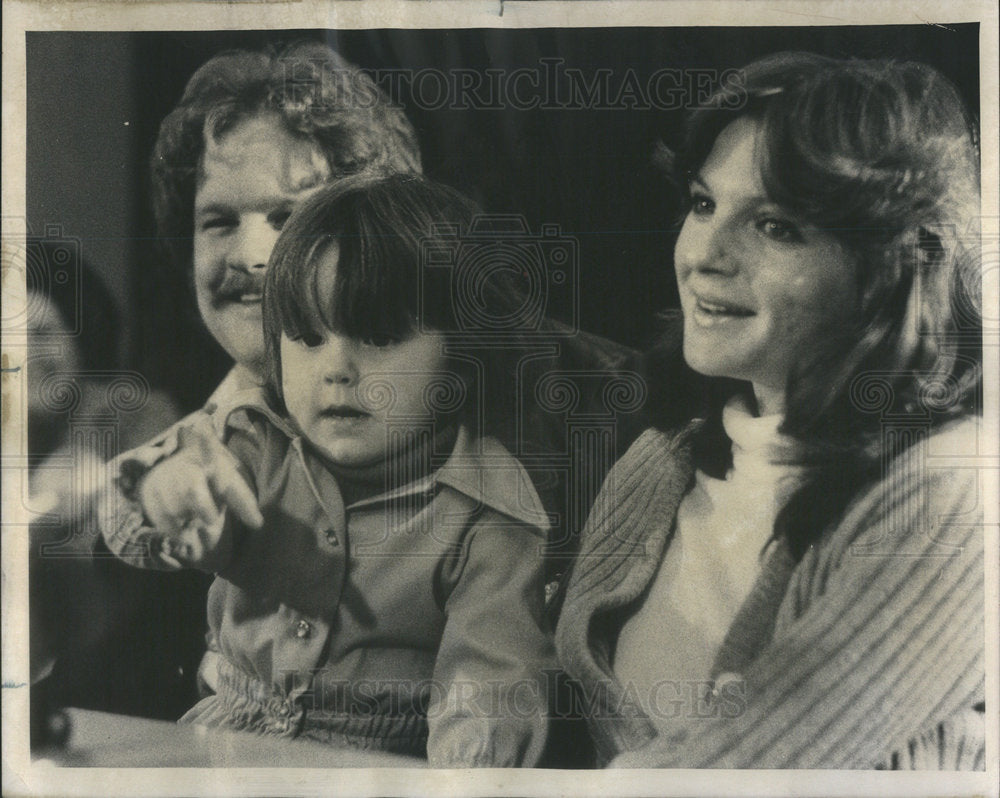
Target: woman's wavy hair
{"type": "Point", "coordinates": [314, 91]}
{"type": "Point", "coordinates": [401, 240]}
{"type": "Point", "coordinates": [884, 156]}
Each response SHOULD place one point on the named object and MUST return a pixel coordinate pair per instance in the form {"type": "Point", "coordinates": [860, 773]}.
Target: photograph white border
{"type": "Point", "coordinates": [22, 777]}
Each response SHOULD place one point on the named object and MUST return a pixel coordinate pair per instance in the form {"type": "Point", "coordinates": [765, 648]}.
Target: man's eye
{"type": "Point", "coordinates": [779, 229]}
{"type": "Point", "coordinates": [278, 218]}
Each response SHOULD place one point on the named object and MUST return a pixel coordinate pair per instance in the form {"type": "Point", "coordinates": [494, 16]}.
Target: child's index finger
{"type": "Point", "coordinates": [238, 497]}
{"type": "Point", "coordinates": [202, 504]}
{"type": "Point", "coordinates": [197, 444]}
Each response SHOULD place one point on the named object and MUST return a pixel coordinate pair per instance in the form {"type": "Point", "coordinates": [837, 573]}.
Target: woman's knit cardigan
{"type": "Point", "coordinates": [866, 653]}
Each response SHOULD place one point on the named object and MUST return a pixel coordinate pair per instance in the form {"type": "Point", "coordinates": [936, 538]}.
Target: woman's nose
{"type": "Point", "coordinates": [706, 245]}
{"type": "Point", "coordinates": [252, 244]}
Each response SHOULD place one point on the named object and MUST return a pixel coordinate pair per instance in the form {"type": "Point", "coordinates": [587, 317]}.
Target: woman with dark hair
{"type": "Point", "coordinates": [795, 578]}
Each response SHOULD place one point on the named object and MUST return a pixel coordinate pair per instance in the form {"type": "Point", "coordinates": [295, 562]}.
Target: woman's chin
{"type": "Point", "coordinates": [708, 363]}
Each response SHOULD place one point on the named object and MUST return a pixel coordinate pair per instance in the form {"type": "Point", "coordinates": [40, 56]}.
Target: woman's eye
{"type": "Point", "coordinates": [701, 204]}
{"type": "Point", "coordinates": [779, 229]}
{"type": "Point", "coordinates": [217, 223]}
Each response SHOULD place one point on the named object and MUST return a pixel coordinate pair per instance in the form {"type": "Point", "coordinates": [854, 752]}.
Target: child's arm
{"type": "Point", "coordinates": [490, 705]}
{"type": "Point", "coordinates": [173, 514]}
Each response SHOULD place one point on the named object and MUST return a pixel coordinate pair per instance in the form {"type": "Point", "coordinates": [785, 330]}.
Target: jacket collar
{"type": "Point", "coordinates": [238, 389]}
{"type": "Point", "coordinates": [481, 469]}
{"type": "Point", "coordinates": [486, 472]}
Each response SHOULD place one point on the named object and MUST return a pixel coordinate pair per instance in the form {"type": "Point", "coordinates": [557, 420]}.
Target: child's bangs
{"type": "Point", "coordinates": [297, 311]}
{"type": "Point", "coordinates": [376, 292]}
{"type": "Point", "coordinates": [351, 260]}
{"type": "Point", "coordinates": [369, 298]}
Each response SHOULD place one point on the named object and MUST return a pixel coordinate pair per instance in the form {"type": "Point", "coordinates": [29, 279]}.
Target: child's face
{"type": "Point", "coordinates": [346, 395]}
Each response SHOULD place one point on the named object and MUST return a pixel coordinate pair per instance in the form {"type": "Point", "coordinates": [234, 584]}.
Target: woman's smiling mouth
{"type": "Point", "coordinates": [709, 312]}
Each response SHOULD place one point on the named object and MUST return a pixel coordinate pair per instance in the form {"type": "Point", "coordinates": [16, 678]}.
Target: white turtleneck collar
{"type": "Point", "coordinates": [714, 556]}
{"type": "Point", "coordinates": [761, 453]}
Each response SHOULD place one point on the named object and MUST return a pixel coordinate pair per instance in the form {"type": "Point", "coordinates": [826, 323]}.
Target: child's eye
{"type": "Point", "coordinates": [701, 204]}
{"type": "Point", "coordinates": [307, 339]}
{"type": "Point", "coordinates": [380, 340]}
{"type": "Point", "coordinates": [779, 229]}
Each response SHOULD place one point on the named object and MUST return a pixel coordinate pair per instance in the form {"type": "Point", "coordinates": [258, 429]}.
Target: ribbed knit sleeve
{"type": "Point", "coordinates": [878, 641]}
{"type": "Point", "coordinates": [621, 545]}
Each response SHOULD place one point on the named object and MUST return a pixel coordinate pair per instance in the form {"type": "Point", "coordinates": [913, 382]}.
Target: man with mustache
{"type": "Point", "coordinates": [253, 134]}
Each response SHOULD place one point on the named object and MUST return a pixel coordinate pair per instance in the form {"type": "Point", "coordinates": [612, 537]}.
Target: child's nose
{"type": "Point", "coordinates": [339, 366]}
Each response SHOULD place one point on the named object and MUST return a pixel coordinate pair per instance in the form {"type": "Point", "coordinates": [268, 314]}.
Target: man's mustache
{"type": "Point", "coordinates": [234, 285]}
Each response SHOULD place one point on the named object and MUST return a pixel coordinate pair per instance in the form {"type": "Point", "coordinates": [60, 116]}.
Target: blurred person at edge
{"type": "Point", "coordinates": [791, 580]}
{"type": "Point", "coordinates": [242, 148]}
{"type": "Point", "coordinates": [84, 606]}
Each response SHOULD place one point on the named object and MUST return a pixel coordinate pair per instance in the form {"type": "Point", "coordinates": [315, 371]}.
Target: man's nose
{"type": "Point", "coordinates": [338, 361]}
{"type": "Point", "coordinates": [252, 244]}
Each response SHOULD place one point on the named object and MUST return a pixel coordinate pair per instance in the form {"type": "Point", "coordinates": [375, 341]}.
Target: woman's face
{"type": "Point", "coordinates": [759, 288]}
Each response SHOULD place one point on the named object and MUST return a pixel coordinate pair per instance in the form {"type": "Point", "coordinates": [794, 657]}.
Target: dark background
{"type": "Point", "coordinates": [95, 100]}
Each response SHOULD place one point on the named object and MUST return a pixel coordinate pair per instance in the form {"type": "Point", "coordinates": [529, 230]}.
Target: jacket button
{"type": "Point", "coordinates": [331, 538]}
{"type": "Point", "coordinates": [303, 629]}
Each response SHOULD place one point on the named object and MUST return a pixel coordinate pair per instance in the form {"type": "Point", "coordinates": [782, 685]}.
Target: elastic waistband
{"type": "Point", "coordinates": [246, 703]}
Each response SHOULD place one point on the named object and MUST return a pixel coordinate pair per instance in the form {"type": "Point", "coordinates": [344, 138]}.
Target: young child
{"type": "Point", "coordinates": [392, 596]}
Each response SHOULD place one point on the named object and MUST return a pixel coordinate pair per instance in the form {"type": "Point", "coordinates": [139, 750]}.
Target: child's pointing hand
{"type": "Point", "coordinates": [186, 498]}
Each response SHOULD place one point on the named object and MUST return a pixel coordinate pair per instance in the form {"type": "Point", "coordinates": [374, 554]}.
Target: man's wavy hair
{"type": "Point", "coordinates": [314, 91]}
{"type": "Point", "coordinates": [883, 156]}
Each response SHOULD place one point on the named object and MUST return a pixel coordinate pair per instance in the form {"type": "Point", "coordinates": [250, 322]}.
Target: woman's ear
{"type": "Point", "coordinates": [927, 306]}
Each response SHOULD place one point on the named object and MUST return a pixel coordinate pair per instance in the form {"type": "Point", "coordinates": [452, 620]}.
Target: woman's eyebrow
{"type": "Point", "coordinates": [697, 179]}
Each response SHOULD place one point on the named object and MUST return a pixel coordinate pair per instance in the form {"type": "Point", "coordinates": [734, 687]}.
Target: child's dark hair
{"type": "Point", "coordinates": [390, 282]}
